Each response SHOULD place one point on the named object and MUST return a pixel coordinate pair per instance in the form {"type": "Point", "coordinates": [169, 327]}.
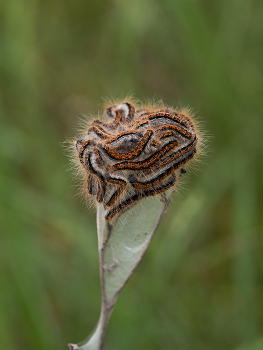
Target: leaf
{"type": "Point", "coordinates": [121, 248]}
{"type": "Point", "coordinates": [128, 242]}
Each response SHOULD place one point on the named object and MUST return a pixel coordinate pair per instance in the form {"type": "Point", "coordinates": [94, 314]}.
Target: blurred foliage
{"type": "Point", "coordinates": [199, 286]}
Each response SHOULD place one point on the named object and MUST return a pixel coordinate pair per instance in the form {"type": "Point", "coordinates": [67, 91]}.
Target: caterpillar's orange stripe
{"type": "Point", "coordinates": [148, 162]}
{"type": "Point", "coordinates": [176, 128]}
{"type": "Point", "coordinates": [165, 115]}
{"type": "Point", "coordinates": [98, 157]}
{"type": "Point", "coordinates": [177, 154]}
{"type": "Point", "coordinates": [166, 134]}
{"type": "Point", "coordinates": [141, 185]}
{"type": "Point", "coordinates": [99, 131]}
{"type": "Point", "coordinates": [116, 181]}
{"type": "Point", "coordinates": [139, 149]}
{"type": "Point", "coordinates": [116, 120]}
{"type": "Point", "coordinates": [101, 189]}
{"type": "Point", "coordinates": [120, 135]}
{"type": "Point", "coordinates": [112, 125]}
{"type": "Point", "coordinates": [134, 198]}
{"type": "Point", "coordinates": [81, 152]}
{"type": "Point", "coordinates": [115, 195]}
{"type": "Point", "coordinates": [99, 177]}
{"type": "Point", "coordinates": [131, 111]}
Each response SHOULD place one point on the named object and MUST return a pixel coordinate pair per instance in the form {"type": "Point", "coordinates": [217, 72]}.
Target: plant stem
{"type": "Point", "coordinates": [106, 305]}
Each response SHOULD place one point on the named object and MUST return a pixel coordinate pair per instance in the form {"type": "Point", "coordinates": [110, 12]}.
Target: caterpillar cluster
{"type": "Point", "coordinates": [135, 154]}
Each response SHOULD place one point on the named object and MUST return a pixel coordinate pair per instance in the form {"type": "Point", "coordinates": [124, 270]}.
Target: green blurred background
{"type": "Point", "coordinates": [200, 284]}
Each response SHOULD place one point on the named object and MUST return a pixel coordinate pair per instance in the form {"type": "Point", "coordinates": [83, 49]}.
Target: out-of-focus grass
{"type": "Point", "coordinates": [200, 284]}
